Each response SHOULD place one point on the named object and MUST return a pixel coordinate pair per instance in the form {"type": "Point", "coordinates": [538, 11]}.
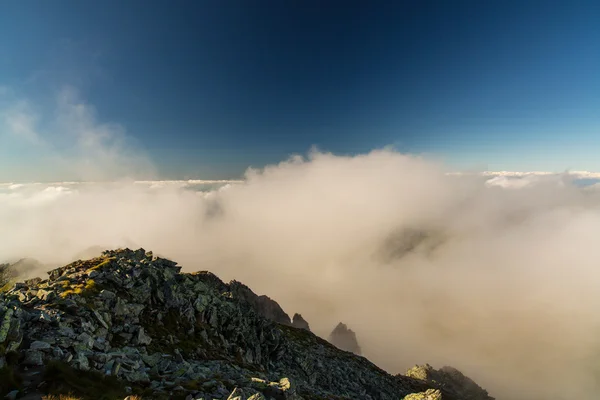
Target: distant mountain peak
{"type": "Point", "coordinates": [344, 338]}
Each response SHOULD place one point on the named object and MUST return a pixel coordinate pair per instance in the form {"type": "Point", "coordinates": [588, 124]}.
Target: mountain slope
{"type": "Point", "coordinates": [138, 320]}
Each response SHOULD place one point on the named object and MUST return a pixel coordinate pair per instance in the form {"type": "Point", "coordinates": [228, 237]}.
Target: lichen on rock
{"type": "Point", "coordinates": [429, 394]}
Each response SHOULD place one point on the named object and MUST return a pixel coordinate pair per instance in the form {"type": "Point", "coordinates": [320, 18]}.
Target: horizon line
{"type": "Point", "coordinates": [581, 174]}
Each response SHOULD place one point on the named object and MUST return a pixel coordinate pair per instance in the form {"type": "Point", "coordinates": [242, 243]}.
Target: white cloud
{"type": "Point", "coordinates": [575, 174]}
{"type": "Point", "coordinates": [525, 180]}
{"type": "Point", "coordinates": [21, 122]}
{"type": "Point", "coordinates": [71, 142]}
{"type": "Point", "coordinates": [502, 285]}
{"type": "Point", "coordinates": [15, 186]}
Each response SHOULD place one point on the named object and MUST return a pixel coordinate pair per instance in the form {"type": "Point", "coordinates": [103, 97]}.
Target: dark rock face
{"type": "Point", "coordinates": [137, 318]}
{"type": "Point", "coordinates": [264, 305]}
{"type": "Point", "coordinates": [344, 338]}
{"type": "Point", "coordinates": [299, 322]}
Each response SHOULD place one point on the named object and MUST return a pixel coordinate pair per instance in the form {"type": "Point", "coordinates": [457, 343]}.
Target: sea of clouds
{"type": "Point", "coordinates": [494, 273]}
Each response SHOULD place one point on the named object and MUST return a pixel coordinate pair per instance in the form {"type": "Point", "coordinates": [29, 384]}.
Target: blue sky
{"type": "Point", "coordinates": [208, 88]}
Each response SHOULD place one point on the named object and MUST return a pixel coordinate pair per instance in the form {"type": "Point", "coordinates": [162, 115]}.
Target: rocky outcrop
{"type": "Point", "coordinates": [264, 305]}
{"type": "Point", "coordinates": [449, 380]}
{"type": "Point", "coordinates": [135, 320]}
{"type": "Point", "coordinates": [344, 338]}
{"type": "Point", "coordinates": [299, 322]}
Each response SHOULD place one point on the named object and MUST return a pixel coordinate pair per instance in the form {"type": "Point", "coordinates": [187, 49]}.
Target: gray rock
{"type": "Point", "coordinates": [57, 353]}
{"type": "Point", "coordinates": [81, 361]}
{"type": "Point", "coordinates": [39, 345]}
{"type": "Point", "coordinates": [5, 324]}
{"type": "Point", "coordinates": [67, 331]}
{"type": "Point", "coordinates": [33, 358]}
{"type": "Point", "coordinates": [86, 340]}
{"type": "Point", "coordinates": [64, 342]}
{"type": "Point", "coordinates": [116, 368]}
{"type": "Point", "coordinates": [151, 360]}
{"type": "Point", "coordinates": [100, 344]}
{"type": "Point", "coordinates": [142, 338]}
{"type": "Point", "coordinates": [101, 319]}
{"type": "Point", "coordinates": [136, 376]}
{"type": "Point", "coordinates": [107, 294]}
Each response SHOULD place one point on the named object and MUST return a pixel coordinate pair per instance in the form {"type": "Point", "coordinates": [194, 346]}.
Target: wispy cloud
{"type": "Point", "coordinates": [77, 63]}
{"type": "Point", "coordinates": [100, 151]}
{"type": "Point", "coordinates": [20, 121]}
{"type": "Point", "coordinates": [72, 142]}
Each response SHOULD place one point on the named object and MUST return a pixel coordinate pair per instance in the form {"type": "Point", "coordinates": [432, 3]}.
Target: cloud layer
{"type": "Point", "coordinates": [424, 265]}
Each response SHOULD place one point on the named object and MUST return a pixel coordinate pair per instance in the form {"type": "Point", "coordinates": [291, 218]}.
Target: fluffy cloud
{"type": "Point", "coordinates": [425, 266]}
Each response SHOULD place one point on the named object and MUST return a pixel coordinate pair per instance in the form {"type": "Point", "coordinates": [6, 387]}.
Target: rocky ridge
{"type": "Point", "coordinates": [137, 324]}
{"type": "Point", "coordinates": [450, 379]}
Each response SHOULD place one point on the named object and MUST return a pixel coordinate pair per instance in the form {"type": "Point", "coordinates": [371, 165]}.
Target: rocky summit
{"type": "Point", "coordinates": [132, 324]}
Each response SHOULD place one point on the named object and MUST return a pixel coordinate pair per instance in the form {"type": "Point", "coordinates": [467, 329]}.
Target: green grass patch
{"type": "Point", "coordinates": [62, 379]}
{"type": "Point", "coordinates": [69, 292]}
{"type": "Point", "coordinates": [103, 262]}
{"type": "Point", "coordinates": [88, 290]}
{"type": "Point", "coordinates": [9, 380]}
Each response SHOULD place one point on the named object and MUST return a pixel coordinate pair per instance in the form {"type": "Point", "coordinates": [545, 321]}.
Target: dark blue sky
{"type": "Point", "coordinates": [211, 87]}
